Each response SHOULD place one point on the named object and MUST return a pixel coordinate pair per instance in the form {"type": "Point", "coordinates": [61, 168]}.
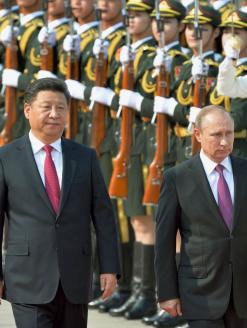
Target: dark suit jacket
{"type": "Point", "coordinates": [45, 248]}
{"type": "Point", "coordinates": [213, 259]}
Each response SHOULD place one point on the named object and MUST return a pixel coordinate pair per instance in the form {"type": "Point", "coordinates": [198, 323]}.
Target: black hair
{"type": "Point", "coordinates": [46, 84]}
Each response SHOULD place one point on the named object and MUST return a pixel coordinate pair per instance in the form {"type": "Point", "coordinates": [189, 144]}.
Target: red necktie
{"type": "Point", "coordinates": [51, 179]}
{"type": "Point", "coordinates": [224, 197]}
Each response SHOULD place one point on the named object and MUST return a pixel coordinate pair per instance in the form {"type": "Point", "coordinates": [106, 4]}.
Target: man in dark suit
{"type": "Point", "coordinates": [50, 190]}
{"type": "Point", "coordinates": [205, 198]}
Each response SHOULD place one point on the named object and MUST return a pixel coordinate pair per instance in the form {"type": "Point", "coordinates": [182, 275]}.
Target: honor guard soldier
{"type": "Point", "coordinates": [140, 54]}
{"type": "Point", "coordinates": [87, 32]}
{"type": "Point", "coordinates": [171, 15]}
{"type": "Point", "coordinates": [234, 66]}
{"type": "Point", "coordinates": [98, 97]}
{"type": "Point", "coordinates": [55, 30]}
{"type": "Point", "coordinates": [203, 65]}
{"type": "Point", "coordinates": [5, 14]}
{"type": "Point", "coordinates": [31, 21]}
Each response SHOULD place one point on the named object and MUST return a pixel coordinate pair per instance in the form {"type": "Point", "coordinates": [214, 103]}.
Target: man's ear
{"type": "Point", "coordinates": [27, 108]}
{"type": "Point", "coordinates": [197, 134]}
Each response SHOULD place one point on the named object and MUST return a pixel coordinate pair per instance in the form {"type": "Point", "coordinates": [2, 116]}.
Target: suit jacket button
{"type": "Point", "coordinates": [57, 225]}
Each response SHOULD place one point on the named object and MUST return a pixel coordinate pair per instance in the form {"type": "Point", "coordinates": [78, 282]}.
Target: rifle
{"type": "Point", "coordinates": [72, 72]}
{"type": "Point", "coordinates": [10, 92]}
{"type": "Point", "coordinates": [119, 181]}
{"type": "Point", "coordinates": [99, 110]}
{"type": "Point", "coordinates": [46, 53]}
{"type": "Point", "coordinates": [156, 168]}
{"type": "Point", "coordinates": [199, 94]}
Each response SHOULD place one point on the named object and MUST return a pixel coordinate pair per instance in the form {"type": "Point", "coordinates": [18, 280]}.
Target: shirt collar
{"type": "Point", "coordinates": [24, 19]}
{"type": "Point", "coordinates": [171, 45]}
{"type": "Point", "coordinates": [110, 30]}
{"type": "Point", "coordinates": [83, 28]}
{"type": "Point", "coordinates": [37, 145]}
{"type": "Point", "coordinates": [241, 61]}
{"type": "Point", "coordinates": [4, 12]}
{"type": "Point", "coordinates": [210, 165]}
{"type": "Point", "coordinates": [220, 3]}
{"type": "Point", "coordinates": [138, 43]}
{"type": "Point", "coordinates": [204, 55]}
{"type": "Point", "coordinates": [58, 22]}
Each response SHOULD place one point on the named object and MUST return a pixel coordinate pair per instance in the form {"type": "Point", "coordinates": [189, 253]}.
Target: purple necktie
{"type": "Point", "coordinates": [224, 197]}
{"type": "Point", "coordinates": [51, 179]}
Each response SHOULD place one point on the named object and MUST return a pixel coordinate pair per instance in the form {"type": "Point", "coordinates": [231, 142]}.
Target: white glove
{"type": "Point", "coordinates": [130, 99]}
{"type": "Point", "coordinates": [100, 45]}
{"type": "Point", "coordinates": [7, 34]}
{"type": "Point", "coordinates": [47, 34]}
{"type": "Point", "coordinates": [126, 55]}
{"type": "Point", "coordinates": [102, 95]}
{"type": "Point", "coordinates": [165, 105]}
{"type": "Point", "coordinates": [10, 77]}
{"type": "Point", "coordinates": [162, 59]}
{"type": "Point", "coordinates": [199, 68]}
{"type": "Point", "coordinates": [43, 74]}
{"type": "Point", "coordinates": [72, 43]}
{"type": "Point", "coordinates": [76, 89]}
{"type": "Point", "coordinates": [194, 111]}
{"type": "Point", "coordinates": [231, 51]}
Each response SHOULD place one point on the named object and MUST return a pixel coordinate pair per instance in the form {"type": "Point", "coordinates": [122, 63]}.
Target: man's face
{"type": "Point", "coordinates": [110, 9]}
{"type": "Point", "coordinates": [172, 27]}
{"type": "Point", "coordinates": [27, 3]}
{"type": "Point", "coordinates": [56, 7]}
{"type": "Point", "coordinates": [139, 22]}
{"type": "Point", "coordinates": [82, 8]}
{"type": "Point", "coordinates": [47, 115]}
{"type": "Point", "coordinates": [216, 136]}
{"type": "Point", "coordinates": [208, 36]}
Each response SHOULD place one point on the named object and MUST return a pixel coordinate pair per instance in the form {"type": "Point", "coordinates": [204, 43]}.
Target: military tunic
{"type": "Point", "coordinates": [184, 96]}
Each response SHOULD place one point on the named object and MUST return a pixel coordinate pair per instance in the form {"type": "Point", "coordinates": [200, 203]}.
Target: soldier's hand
{"type": "Point", "coordinates": [173, 307]}
{"type": "Point", "coordinates": [108, 283]}
{"type": "Point", "coordinates": [164, 105]}
{"type": "Point", "coordinates": [102, 95]}
{"type": "Point", "coordinates": [126, 54]}
{"type": "Point", "coordinates": [48, 35]}
{"type": "Point", "coordinates": [162, 58]}
{"type": "Point", "coordinates": [8, 33]}
{"type": "Point", "coordinates": [76, 89]}
{"type": "Point", "coordinates": [43, 74]}
{"type": "Point", "coordinates": [100, 46]}
{"type": "Point", "coordinates": [10, 77]}
{"type": "Point", "coordinates": [231, 49]}
{"type": "Point", "coordinates": [199, 68]}
{"type": "Point", "coordinates": [1, 291]}
{"type": "Point", "coordinates": [130, 99]}
{"type": "Point", "coordinates": [72, 43]}
{"type": "Point", "coordinates": [194, 111]}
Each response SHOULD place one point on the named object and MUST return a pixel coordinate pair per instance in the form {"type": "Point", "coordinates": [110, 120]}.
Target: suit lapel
{"type": "Point", "coordinates": [69, 166]}
{"type": "Point", "coordinates": [203, 187]}
{"type": "Point", "coordinates": [32, 172]}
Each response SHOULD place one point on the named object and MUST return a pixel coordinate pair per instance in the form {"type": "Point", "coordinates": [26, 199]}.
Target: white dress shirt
{"type": "Point", "coordinates": [213, 176]}
{"type": "Point", "coordinates": [39, 155]}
